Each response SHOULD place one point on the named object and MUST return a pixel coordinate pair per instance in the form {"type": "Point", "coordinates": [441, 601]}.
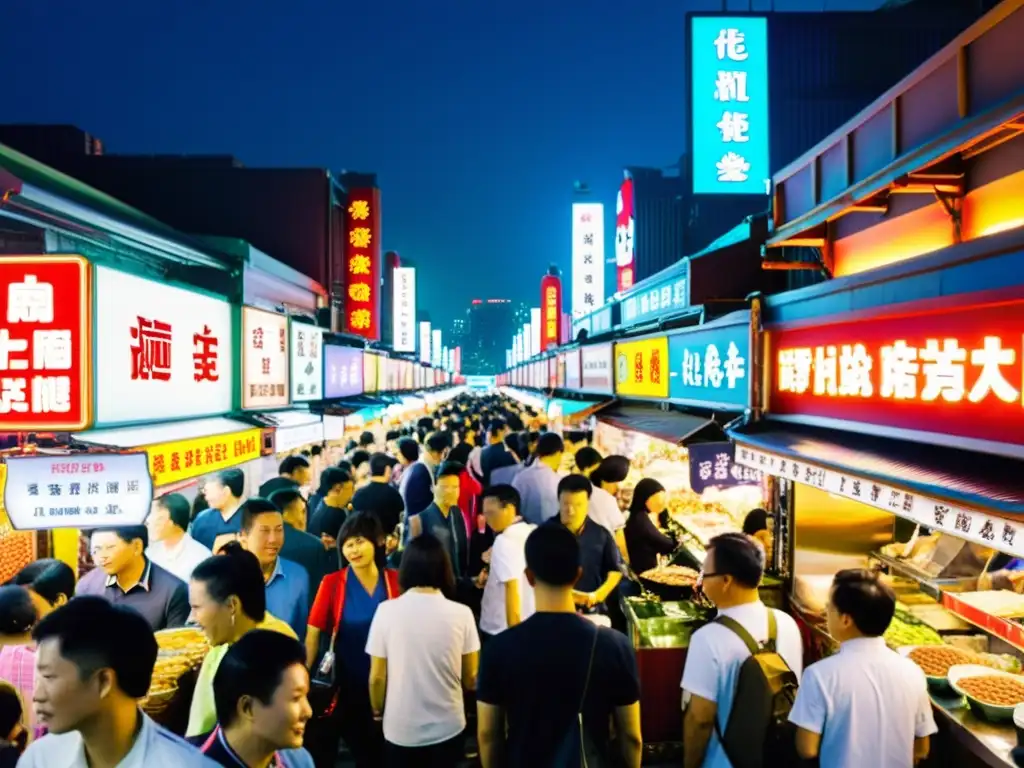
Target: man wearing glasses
{"type": "Point", "coordinates": [733, 568]}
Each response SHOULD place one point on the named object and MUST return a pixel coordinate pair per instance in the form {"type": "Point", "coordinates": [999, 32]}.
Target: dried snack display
{"type": "Point", "coordinates": [935, 660]}
{"type": "Point", "coordinates": [995, 690]}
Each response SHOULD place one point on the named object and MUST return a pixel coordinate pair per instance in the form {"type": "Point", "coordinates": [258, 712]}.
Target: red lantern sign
{"type": "Point", "coordinates": [550, 312]}
{"type": "Point", "coordinates": [362, 264]}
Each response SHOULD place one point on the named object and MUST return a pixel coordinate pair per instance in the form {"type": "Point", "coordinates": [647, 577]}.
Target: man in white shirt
{"type": "Point", "coordinates": [170, 545]}
{"type": "Point", "coordinates": [508, 596]}
{"type": "Point", "coordinates": [733, 568]}
{"type": "Point", "coordinates": [538, 483]}
{"type": "Point", "coordinates": [866, 705]}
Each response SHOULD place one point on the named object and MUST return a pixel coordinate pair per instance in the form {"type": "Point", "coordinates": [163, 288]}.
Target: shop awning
{"type": "Point", "coordinates": [976, 480]}
{"type": "Point", "coordinates": [295, 428]}
{"type": "Point", "coordinates": [673, 426]}
{"type": "Point", "coordinates": [153, 434]}
{"type": "Point", "coordinates": [576, 410]}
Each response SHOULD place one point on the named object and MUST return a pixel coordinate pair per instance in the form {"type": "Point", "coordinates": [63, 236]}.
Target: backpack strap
{"type": "Point", "coordinates": [737, 629]}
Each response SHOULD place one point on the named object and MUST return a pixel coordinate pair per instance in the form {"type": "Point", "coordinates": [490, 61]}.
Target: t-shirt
{"type": "Point", "coordinates": [423, 636]}
{"type": "Point", "coordinates": [517, 669]}
{"type": "Point", "coordinates": [209, 524]}
{"type": "Point", "coordinates": [868, 703]}
{"type": "Point", "coordinates": [716, 654]}
{"type": "Point", "coordinates": [598, 555]}
{"type": "Point", "coordinates": [604, 510]}
{"type": "Point", "coordinates": [383, 501]}
{"type": "Point", "coordinates": [508, 562]}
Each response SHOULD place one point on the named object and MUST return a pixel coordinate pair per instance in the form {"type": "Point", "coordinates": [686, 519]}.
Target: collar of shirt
{"type": "Point", "coordinates": [275, 761]}
{"type": "Point", "coordinates": [142, 582]}
{"type": "Point", "coordinates": [863, 645]}
{"type": "Point", "coordinates": [278, 571]}
{"type": "Point", "coordinates": [745, 611]}
{"type": "Point", "coordinates": [136, 757]}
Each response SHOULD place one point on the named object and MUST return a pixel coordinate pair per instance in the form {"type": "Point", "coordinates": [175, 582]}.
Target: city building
{"type": "Point", "coordinates": [489, 325]}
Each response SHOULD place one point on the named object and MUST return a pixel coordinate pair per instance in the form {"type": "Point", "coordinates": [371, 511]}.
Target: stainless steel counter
{"type": "Point", "coordinates": [989, 742]}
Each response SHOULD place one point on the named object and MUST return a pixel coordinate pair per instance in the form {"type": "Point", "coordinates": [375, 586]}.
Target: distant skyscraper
{"type": "Point", "coordinates": [490, 323]}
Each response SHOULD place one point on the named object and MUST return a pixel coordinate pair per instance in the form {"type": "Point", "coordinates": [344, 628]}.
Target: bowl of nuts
{"type": "Point", "coordinates": [936, 660]}
{"type": "Point", "coordinates": [989, 692]}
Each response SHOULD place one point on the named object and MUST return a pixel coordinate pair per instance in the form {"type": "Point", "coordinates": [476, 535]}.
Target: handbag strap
{"type": "Point", "coordinates": [339, 604]}
{"type": "Point", "coordinates": [590, 668]}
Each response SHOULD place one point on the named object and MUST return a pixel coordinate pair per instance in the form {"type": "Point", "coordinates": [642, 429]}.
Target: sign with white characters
{"type": "Point", "coordinates": [729, 105]}
{"type": "Point", "coordinates": [79, 491]}
{"type": "Point", "coordinates": [405, 310]}
{"type": "Point", "coordinates": [162, 352]}
{"type": "Point", "coordinates": [264, 359]}
{"type": "Point", "coordinates": [587, 257]}
{"type": "Point", "coordinates": [425, 342]}
{"type": "Point", "coordinates": [597, 322]}
{"type": "Point", "coordinates": [651, 302]}
{"type": "Point", "coordinates": [435, 348]}
{"type": "Point", "coordinates": [343, 375]}
{"type": "Point", "coordinates": [307, 364]}
{"type": "Point", "coordinates": [712, 465]}
{"type": "Point", "coordinates": [943, 516]}
{"type": "Point", "coordinates": [709, 366]}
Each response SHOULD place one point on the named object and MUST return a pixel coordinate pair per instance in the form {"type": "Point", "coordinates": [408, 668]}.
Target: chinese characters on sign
{"type": "Point", "coordinates": [158, 343]}
{"type": "Point", "coordinates": [184, 459]}
{"type": "Point", "coordinates": [264, 359]}
{"type": "Point", "coordinates": [942, 516]}
{"type": "Point", "coordinates": [307, 362]}
{"type": "Point", "coordinates": [709, 365]}
{"type": "Point", "coordinates": [343, 371]}
{"type": "Point", "coordinates": [596, 369]}
{"type": "Point", "coordinates": [405, 310]}
{"type": "Point", "coordinates": [551, 312]}
{"type": "Point", "coordinates": [641, 367]}
{"type": "Point", "coordinates": [712, 466]}
{"type": "Point", "coordinates": [666, 296]}
{"type": "Point", "coordinates": [587, 257]}
{"type": "Point", "coordinates": [955, 373]}
{"type": "Point", "coordinates": [362, 261]}
{"type": "Point", "coordinates": [729, 104]}
{"type": "Point", "coordinates": [77, 491]}
{"type": "Point", "coordinates": [44, 343]}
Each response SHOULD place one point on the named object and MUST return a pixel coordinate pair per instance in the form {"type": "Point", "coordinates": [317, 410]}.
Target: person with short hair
{"type": "Point", "coordinates": [95, 661]}
{"type": "Point", "coordinates": [336, 491]}
{"type": "Point", "coordinates": [261, 692]}
{"type": "Point", "coordinates": [360, 459]}
{"type": "Point", "coordinates": [287, 583]}
{"type": "Point", "coordinates": [50, 582]}
{"type": "Point", "coordinates": [367, 441]}
{"type": "Point", "coordinates": [508, 596]}
{"type": "Point", "coordinates": [125, 576]}
{"type": "Point", "coordinates": [424, 651]}
{"type": "Point", "coordinates": [505, 475]}
{"type": "Point", "coordinates": [170, 545]}
{"type": "Point", "coordinates": [444, 521]}
{"type": "Point", "coordinates": [223, 492]}
{"type": "Point", "coordinates": [494, 456]}
{"type": "Point", "coordinates": [292, 472]}
{"type": "Point", "coordinates": [228, 599]}
{"type": "Point", "coordinates": [379, 497]}
{"type": "Point", "coordinates": [299, 546]}
{"type": "Point", "coordinates": [417, 486]}
{"type": "Point", "coordinates": [606, 478]}
{"type": "Point", "coordinates": [587, 459]}
{"type": "Point", "coordinates": [408, 453]}
{"type": "Point", "coordinates": [865, 705]}
{"type": "Point", "coordinates": [524, 720]}
{"type": "Point", "coordinates": [538, 483]}
{"type": "Point", "coordinates": [733, 568]}
{"type": "Point", "coordinates": [14, 726]}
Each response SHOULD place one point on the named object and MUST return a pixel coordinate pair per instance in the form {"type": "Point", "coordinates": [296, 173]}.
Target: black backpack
{"type": "Point", "coordinates": [758, 733]}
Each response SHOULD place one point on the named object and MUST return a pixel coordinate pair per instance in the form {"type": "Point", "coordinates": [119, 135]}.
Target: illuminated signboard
{"type": "Point", "coordinates": [371, 372]}
{"type": "Point", "coordinates": [425, 356]}
{"type": "Point", "coordinates": [551, 312]}
{"type": "Point", "coordinates": [641, 367]}
{"type": "Point", "coordinates": [729, 105]}
{"type": "Point", "coordinates": [343, 371]}
{"type": "Point", "coordinates": [948, 373]}
{"type": "Point", "coordinates": [405, 309]}
{"type": "Point", "coordinates": [660, 298]}
{"type": "Point", "coordinates": [596, 369]}
{"type": "Point", "coordinates": [362, 264]}
{"type": "Point", "coordinates": [307, 364]}
{"type": "Point", "coordinates": [587, 257]}
{"type": "Point", "coordinates": [710, 365]}
{"type": "Point", "coordinates": [625, 227]}
{"type": "Point", "coordinates": [264, 359]}
{"type": "Point", "coordinates": [572, 369]}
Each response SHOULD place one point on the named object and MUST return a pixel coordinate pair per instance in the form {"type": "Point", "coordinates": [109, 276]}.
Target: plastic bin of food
{"type": "Point", "coordinates": [992, 693]}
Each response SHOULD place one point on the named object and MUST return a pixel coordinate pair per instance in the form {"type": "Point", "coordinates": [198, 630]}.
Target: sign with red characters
{"type": "Point", "coordinates": [550, 312]}
{"type": "Point", "coordinates": [362, 264]}
{"type": "Point", "coordinates": [45, 355]}
{"type": "Point", "coordinates": [954, 371]}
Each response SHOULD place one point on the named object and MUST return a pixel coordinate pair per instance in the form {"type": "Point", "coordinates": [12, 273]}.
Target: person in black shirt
{"type": "Point", "coordinates": [379, 497]}
{"type": "Point", "coordinates": [518, 665]}
{"type": "Point", "coordinates": [644, 541]}
{"type": "Point", "coordinates": [294, 472]}
{"type": "Point", "coordinates": [336, 489]}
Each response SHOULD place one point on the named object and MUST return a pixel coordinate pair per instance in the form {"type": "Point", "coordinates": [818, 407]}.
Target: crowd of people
{"type": "Point", "coordinates": [445, 581]}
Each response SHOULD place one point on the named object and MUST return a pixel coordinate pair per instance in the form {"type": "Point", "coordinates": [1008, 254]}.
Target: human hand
{"type": "Point", "coordinates": [329, 541]}
{"type": "Point", "coordinates": [481, 580]}
{"type": "Point", "coordinates": [486, 556]}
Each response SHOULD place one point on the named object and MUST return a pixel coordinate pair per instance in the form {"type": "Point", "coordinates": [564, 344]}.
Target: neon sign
{"type": "Point", "coordinates": [953, 372]}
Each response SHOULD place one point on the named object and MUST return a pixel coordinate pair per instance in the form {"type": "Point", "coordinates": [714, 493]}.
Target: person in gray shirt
{"type": "Point", "coordinates": [125, 576]}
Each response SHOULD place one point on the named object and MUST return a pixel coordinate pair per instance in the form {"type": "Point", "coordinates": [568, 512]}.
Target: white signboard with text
{"type": "Point", "coordinates": [161, 351]}
{"type": "Point", "coordinates": [83, 491]}
{"type": "Point", "coordinates": [405, 310]}
{"type": "Point", "coordinates": [264, 359]}
{"type": "Point", "coordinates": [425, 337]}
{"type": "Point", "coordinates": [587, 257]}
{"type": "Point", "coordinates": [307, 365]}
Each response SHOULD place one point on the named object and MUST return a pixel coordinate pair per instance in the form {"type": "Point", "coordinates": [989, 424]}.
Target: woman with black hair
{"type": "Point", "coordinates": [755, 525]}
{"type": "Point", "coordinates": [14, 733]}
{"type": "Point", "coordinates": [17, 650]}
{"type": "Point", "coordinates": [345, 606]}
{"type": "Point", "coordinates": [50, 582]}
{"type": "Point", "coordinates": [644, 541]}
{"type": "Point", "coordinates": [228, 597]}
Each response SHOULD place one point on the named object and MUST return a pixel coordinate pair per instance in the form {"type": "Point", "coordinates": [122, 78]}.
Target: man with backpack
{"type": "Point", "coordinates": [742, 670]}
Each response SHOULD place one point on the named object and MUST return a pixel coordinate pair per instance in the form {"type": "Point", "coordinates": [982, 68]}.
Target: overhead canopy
{"type": "Point", "coordinates": [981, 481]}
{"type": "Point", "coordinates": [153, 434]}
{"type": "Point", "coordinates": [575, 410]}
{"type": "Point", "coordinates": [673, 426]}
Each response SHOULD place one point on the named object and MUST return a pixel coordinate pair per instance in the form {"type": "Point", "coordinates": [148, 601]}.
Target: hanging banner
{"type": "Point", "coordinates": [307, 366]}
{"type": "Point", "coordinates": [625, 227]}
{"type": "Point", "coordinates": [45, 355]}
{"type": "Point", "coordinates": [405, 309]}
{"type": "Point", "coordinates": [425, 337]}
{"type": "Point", "coordinates": [185, 459]}
{"type": "Point", "coordinates": [362, 264]}
{"type": "Point", "coordinates": [551, 312]}
{"type": "Point", "coordinates": [712, 465]}
{"type": "Point", "coordinates": [596, 365]}
{"type": "Point", "coordinates": [641, 367]}
{"type": "Point", "coordinates": [371, 372]}
{"type": "Point", "coordinates": [709, 366]}
{"type": "Point", "coordinates": [587, 257]}
{"type": "Point", "coordinates": [264, 359]}
{"type": "Point", "coordinates": [343, 371]}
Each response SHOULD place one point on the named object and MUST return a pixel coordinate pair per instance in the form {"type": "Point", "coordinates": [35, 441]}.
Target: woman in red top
{"type": "Point", "coordinates": [344, 606]}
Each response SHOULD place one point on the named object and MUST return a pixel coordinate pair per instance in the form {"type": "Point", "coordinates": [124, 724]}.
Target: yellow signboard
{"type": "Point", "coordinates": [641, 368]}
{"type": "Point", "coordinates": [185, 459]}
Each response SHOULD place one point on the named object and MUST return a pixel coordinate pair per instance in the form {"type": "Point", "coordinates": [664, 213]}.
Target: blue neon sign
{"type": "Point", "coordinates": [709, 365]}
{"type": "Point", "coordinates": [729, 105]}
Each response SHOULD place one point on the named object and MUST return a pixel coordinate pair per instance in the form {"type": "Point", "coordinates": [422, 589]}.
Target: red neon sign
{"type": "Point", "coordinates": [551, 312]}
{"type": "Point", "coordinates": [45, 352]}
{"type": "Point", "coordinates": [362, 263]}
{"type": "Point", "coordinates": [957, 372]}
